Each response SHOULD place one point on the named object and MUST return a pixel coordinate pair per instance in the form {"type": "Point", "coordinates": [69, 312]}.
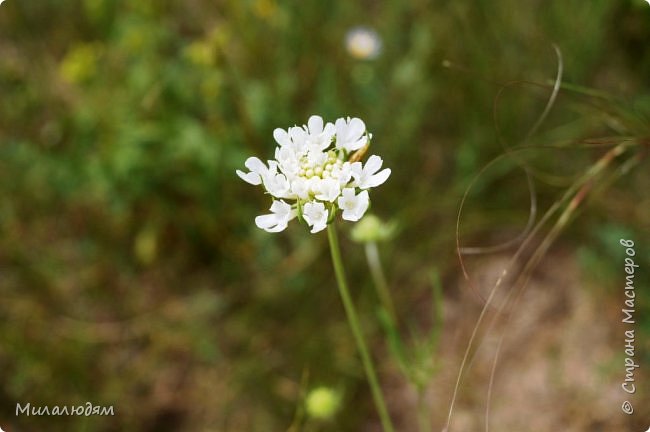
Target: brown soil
{"type": "Point", "coordinates": [560, 367]}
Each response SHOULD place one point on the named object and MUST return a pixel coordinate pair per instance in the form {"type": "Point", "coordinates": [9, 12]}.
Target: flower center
{"type": "Point", "coordinates": [325, 167]}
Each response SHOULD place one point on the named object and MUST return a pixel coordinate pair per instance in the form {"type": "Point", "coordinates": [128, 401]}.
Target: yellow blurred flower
{"type": "Point", "coordinates": [211, 86]}
{"type": "Point", "coordinates": [219, 36]}
{"type": "Point", "coordinates": [145, 246]}
{"type": "Point", "coordinates": [134, 40]}
{"type": "Point", "coordinates": [80, 63]}
{"type": "Point", "coordinates": [201, 53]}
{"type": "Point", "coordinates": [265, 9]}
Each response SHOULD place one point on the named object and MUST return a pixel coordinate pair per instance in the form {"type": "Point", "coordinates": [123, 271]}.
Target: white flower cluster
{"type": "Point", "coordinates": [315, 173]}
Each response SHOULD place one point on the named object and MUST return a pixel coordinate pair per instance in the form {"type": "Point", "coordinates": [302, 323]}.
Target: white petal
{"type": "Point", "coordinates": [311, 210]}
{"type": "Point", "coordinates": [353, 206]}
{"type": "Point", "coordinates": [251, 177]}
{"type": "Point", "coordinates": [315, 125]}
{"type": "Point", "coordinates": [278, 228]}
{"type": "Point", "coordinates": [356, 128]}
{"type": "Point", "coordinates": [277, 221]}
{"type": "Point", "coordinates": [277, 185]}
{"type": "Point", "coordinates": [257, 170]}
{"type": "Point", "coordinates": [315, 215]}
{"type": "Point", "coordinates": [256, 165]}
{"type": "Point", "coordinates": [300, 187]}
{"type": "Point", "coordinates": [329, 130]}
{"type": "Point", "coordinates": [346, 195]}
{"type": "Point", "coordinates": [270, 223]}
{"type": "Point", "coordinates": [378, 178]}
{"type": "Point", "coordinates": [286, 156]}
{"type": "Point", "coordinates": [316, 157]}
{"type": "Point", "coordinates": [345, 174]}
{"type": "Point", "coordinates": [350, 134]}
{"type": "Point", "coordinates": [341, 128]}
{"type": "Point", "coordinates": [361, 205]}
{"type": "Point", "coordinates": [357, 144]}
{"type": "Point", "coordinates": [273, 167]}
{"type": "Point", "coordinates": [356, 170]}
{"type": "Point", "coordinates": [281, 137]}
{"type": "Point", "coordinates": [281, 208]}
{"type": "Point", "coordinates": [266, 221]}
{"type": "Point", "coordinates": [373, 164]}
{"type": "Point", "coordinates": [320, 226]}
{"type": "Point", "coordinates": [298, 136]}
{"type": "Point", "coordinates": [329, 190]}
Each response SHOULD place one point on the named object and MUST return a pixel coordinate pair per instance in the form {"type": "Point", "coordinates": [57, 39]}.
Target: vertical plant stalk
{"type": "Point", "coordinates": [424, 419]}
{"type": "Point", "coordinates": [414, 375]}
{"type": "Point", "coordinates": [377, 272]}
{"type": "Point", "coordinates": [353, 320]}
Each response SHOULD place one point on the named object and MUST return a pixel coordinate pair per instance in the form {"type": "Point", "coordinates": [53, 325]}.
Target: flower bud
{"type": "Point", "coordinates": [322, 403]}
{"type": "Point", "coordinates": [372, 229]}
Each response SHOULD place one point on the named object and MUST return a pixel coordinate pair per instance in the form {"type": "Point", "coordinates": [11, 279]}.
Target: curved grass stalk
{"type": "Point", "coordinates": [522, 281]}
{"type": "Point", "coordinates": [532, 215]}
{"type": "Point", "coordinates": [604, 161]}
{"type": "Point", "coordinates": [573, 196]}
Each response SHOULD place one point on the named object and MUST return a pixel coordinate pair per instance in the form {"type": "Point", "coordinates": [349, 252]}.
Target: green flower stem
{"type": "Point", "coordinates": [353, 320]}
{"type": "Point", "coordinates": [374, 263]}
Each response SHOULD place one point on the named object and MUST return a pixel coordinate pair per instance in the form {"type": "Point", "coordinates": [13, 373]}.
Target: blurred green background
{"type": "Point", "coordinates": [131, 272]}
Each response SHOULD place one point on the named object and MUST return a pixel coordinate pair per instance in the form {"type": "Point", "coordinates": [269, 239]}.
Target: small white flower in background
{"type": "Point", "coordinates": [315, 173]}
{"type": "Point", "coordinates": [363, 43]}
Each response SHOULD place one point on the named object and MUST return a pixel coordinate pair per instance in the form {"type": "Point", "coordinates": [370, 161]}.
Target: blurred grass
{"type": "Point", "coordinates": [131, 271]}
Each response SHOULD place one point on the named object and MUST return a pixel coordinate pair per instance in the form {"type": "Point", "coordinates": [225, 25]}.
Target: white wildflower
{"type": "Point", "coordinates": [328, 190]}
{"type": "Point", "coordinates": [367, 176]}
{"type": "Point", "coordinates": [292, 138]}
{"type": "Point", "coordinates": [277, 185]}
{"type": "Point", "coordinates": [363, 43]}
{"type": "Point", "coordinates": [350, 134]}
{"type": "Point", "coordinates": [277, 221]}
{"type": "Point", "coordinates": [315, 215]}
{"type": "Point", "coordinates": [257, 170]}
{"type": "Point", "coordinates": [312, 176]}
{"type": "Point", "coordinates": [354, 206]}
{"type": "Point", "coordinates": [318, 136]}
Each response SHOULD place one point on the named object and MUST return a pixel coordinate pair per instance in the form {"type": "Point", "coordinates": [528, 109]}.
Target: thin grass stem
{"type": "Point", "coordinates": [353, 320]}
{"type": "Point", "coordinates": [379, 279]}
